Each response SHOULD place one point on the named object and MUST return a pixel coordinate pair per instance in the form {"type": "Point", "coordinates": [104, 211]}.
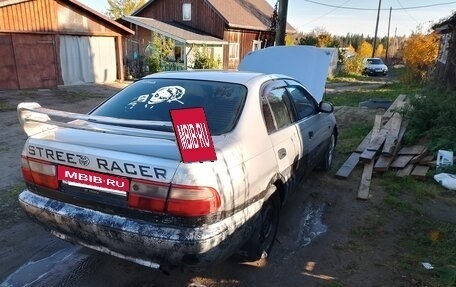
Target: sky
{"type": "Point", "coordinates": [306, 15]}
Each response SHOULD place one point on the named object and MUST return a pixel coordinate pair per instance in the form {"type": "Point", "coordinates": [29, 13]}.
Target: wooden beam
{"type": "Point", "coordinates": [392, 139]}
{"type": "Point", "coordinates": [420, 171]}
{"type": "Point", "coordinates": [397, 104]}
{"type": "Point", "coordinates": [401, 161]}
{"type": "Point", "coordinates": [426, 160]}
{"type": "Point", "coordinates": [378, 136]}
{"type": "Point", "coordinates": [405, 171]}
{"type": "Point", "coordinates": [350, 164]}
{"type": "Point", "coordinates": [364, 143]}
{"type": "Point", "coordinates": [412, 150]}
{"type": "Point", "coordinates": [383, 163]}
{"type": "Point", "coordinates": [364, 187]}
{"type": "Point", "coordinates": [418, 158]}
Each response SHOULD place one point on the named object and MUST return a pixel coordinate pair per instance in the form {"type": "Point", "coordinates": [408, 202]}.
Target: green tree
{"type": "Point", "coordinates": [119, 8]}
{"type": "Point", "coordinates": [308, 40]}
{"type": "Point", "coordinates": [159, 50]}
{"type": "Point", "coordinates": [204, 61]}
{"type": "Point", "coordinates": [274, 20]}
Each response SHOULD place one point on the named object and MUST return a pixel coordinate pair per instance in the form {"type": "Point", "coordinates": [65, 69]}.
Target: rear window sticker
{"type": "Point", "coordinates": [165, 94]}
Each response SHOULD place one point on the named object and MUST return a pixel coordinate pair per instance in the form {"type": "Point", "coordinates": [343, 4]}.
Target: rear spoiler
{"type": "Point", "coordinates": [35, 119]}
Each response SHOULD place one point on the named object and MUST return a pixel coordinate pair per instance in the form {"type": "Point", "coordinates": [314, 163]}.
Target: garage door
{"type": "Point", "coordinates": [87, 59]}
{"type": "Point", "coordinates": [27, 61]}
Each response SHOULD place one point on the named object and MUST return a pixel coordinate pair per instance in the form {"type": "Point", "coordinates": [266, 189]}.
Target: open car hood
{"type": "Point", "coordinates": [307, 64]}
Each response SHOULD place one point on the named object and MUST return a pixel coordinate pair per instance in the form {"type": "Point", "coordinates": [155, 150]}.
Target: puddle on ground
{"type": "Point", "coordinates": [46, 270]}
{"type": "Point", "coordinates": [311, 224]}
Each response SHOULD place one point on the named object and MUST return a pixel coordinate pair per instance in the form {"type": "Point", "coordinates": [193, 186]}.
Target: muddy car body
{"type": "Point", "coordinates": [126, 191]}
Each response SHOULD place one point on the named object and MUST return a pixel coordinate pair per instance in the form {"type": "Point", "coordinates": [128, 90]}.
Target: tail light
{"type": "Point", "coordinates": [181, 200]}
{"type": "Point", "coordinates": [148, 195]}
{"type": "Point", "coordinates": [40, 172]}
{"type": "Point", "coordinates": [192, 201]}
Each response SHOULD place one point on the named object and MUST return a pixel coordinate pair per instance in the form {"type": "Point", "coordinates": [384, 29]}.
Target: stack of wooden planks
{"type": "Point", "coordinates": [380, 151]}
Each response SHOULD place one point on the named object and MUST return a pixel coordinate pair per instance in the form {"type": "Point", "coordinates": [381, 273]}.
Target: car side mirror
{"type": "Point", "coordinates": [326, 107]}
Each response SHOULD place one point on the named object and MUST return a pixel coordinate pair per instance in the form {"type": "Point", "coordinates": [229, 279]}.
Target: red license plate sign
{"type": "Point", "coordinates": [93, 178]}
{"type": "Point", "coordinates": [193, 135]}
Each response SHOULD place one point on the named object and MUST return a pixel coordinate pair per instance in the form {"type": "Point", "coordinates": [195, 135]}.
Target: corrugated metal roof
{"type": "Point", "coordinates": [175, 31]}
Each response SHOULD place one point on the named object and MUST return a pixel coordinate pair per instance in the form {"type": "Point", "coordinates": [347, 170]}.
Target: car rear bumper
{"type": "Point", "coordinates": [150, 244]}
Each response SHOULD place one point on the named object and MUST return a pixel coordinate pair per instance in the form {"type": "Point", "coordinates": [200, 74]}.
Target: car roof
{"type": "Point", "coordinates": [237, 77]}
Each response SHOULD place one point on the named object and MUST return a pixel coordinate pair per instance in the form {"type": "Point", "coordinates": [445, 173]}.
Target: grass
{"type": "Point", "coordinates": [350, 136]}
{"type": "Point", "coordinates": [353, 98]}
{"type": "Point", "coordinates": [428, 240]}
{"type": "Point", "coordinates": [347, 78]}
{"type": "Point", "coordinates": [79, 96]}
{"type": "Point", "coordinates": [420, 238]}
{"type": "Point", "coordinates": [5, 106]}
{"type": "Point", "coordinates": [10, 210]}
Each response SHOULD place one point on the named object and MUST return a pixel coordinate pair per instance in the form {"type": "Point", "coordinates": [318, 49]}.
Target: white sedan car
{"type": "Point", "coordinates": [127, 192]}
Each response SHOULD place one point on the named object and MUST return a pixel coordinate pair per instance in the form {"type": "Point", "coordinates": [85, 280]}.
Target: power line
{"type": "Point", "coordinates": [411, 17]}
{"type": "Point", "coordinates": [324, 15]}
{"type": "Point", "coordinates": [373, 9]}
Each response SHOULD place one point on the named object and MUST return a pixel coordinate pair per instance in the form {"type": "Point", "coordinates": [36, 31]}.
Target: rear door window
{"type": "Point", "coordinates": [151, 100]}
{"type": "Point", "coordinates": [279, 103]}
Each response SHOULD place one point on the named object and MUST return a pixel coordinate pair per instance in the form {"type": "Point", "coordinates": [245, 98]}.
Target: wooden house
{"type": "Point", "coordinates": [445, 70]}
{"type": "Point", "coordinates": [45, 43]}
{"type": "Point", "coordinates": [228, 29]}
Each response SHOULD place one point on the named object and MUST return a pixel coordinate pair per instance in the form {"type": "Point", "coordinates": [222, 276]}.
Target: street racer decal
{"type": "Point", "coordinates": [165, 94]}
{"type": "Point", "coordinates": [103, 165]}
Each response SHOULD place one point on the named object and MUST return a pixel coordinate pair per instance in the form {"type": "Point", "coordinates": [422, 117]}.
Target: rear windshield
{"type": "Point", "coordinates": [151, 99]}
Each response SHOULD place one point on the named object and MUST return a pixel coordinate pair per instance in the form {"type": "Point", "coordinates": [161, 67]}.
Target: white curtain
{"type": "Point", "coordinates": [87, 59]}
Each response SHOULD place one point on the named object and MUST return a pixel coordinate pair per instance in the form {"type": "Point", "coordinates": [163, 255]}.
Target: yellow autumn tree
{"type": "Point", "coordinates": [379, 51]}
{"type": "Point", "coordinates": [365, 50]}
{"type": "Point", "coordinates": [420, 53]}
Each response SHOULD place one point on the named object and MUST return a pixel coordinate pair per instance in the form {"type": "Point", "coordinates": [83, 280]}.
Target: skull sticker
{"type": "Point", "coordinates": [165, 94]}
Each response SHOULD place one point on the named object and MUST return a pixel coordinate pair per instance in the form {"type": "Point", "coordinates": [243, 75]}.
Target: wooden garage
{"type": "Point", "coordinates": [45, 43]}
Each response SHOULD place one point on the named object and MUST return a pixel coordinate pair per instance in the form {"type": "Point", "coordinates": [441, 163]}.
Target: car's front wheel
{"type": "Point", "coordinates": [328, 157]}
{"type": "Point", "coordinates": [262, 240]}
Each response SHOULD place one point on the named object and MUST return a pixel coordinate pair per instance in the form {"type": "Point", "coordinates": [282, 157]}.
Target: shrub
{"type": "Point", "coordinates": [204, 61]}
{"type": "Point", "coordinates": [353, 65]}
{"type": "Point", "coordinates": [431, 115]}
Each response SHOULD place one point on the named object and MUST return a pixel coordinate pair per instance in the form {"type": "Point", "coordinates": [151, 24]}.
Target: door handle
{"type": "Point", "coordinates": [282, 153]}
{"type": "Point", "coordinates": [311, 134]}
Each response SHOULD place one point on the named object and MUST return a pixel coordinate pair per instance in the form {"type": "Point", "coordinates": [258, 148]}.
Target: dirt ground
{"type": "Point", "coordinates": [315, 246]}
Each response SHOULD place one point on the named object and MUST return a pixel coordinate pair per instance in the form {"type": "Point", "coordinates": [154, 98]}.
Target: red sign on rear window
{"type": "Point", "coordinates": [93, 178]}
{"type": "Point", "coordinates": [193, 135]}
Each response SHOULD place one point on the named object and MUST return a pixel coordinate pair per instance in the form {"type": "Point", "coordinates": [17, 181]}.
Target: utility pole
{"type": "Point", "coordinates": [282, 23]}
{"type": "Point", "coordinates": [388, 37]}
{"type": "Point", "coordinates": [376, 28]}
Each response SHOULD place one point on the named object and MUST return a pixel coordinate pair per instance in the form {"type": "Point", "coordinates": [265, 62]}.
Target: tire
{"type": "Point", "coordinates": [328, 157]}
{"type": "Point", "coordinates": [263, 237]}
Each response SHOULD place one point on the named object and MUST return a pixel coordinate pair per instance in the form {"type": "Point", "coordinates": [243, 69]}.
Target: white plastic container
{"type": "Point", "coordinates": [444, 158]}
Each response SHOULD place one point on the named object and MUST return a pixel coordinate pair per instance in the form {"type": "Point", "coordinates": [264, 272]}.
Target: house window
{"type": "Point", "coordinates": [256, 45]}
{"type": "Point", "coordinates": [179, 54]}
{"type": "Point", "coordinates": [234, 50]}
{"type": "Point", "coordinates": [187, 12]}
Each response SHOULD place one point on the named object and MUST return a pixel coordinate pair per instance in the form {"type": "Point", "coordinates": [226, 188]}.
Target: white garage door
{"type": "Point", "coordinates": [87, 59]}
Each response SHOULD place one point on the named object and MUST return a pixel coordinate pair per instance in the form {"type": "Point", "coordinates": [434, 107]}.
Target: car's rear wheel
{"type": "Point", "coordinates": [262, 240]}
{"type": "Point", "coordinates": [328, 157]}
